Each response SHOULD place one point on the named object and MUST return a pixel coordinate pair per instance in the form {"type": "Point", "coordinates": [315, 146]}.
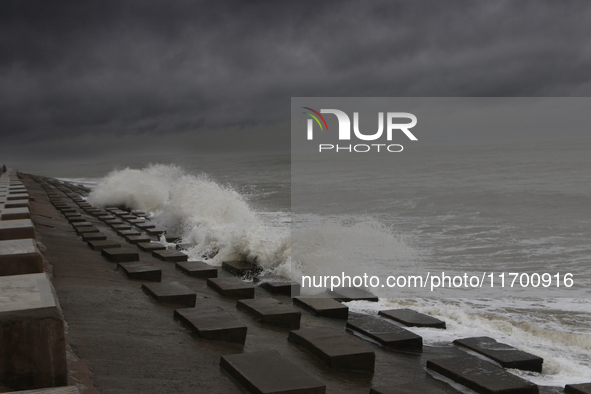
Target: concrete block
{"type": "Point", "coordinates": [325, 307]}
{"type": "Point", "coordinates": [136, 239]}
{"type": "Point", "coordinates": [76, 219]}
{"type": "Point", "coordinates": [86, 229]}
{"type": "Point", "coordinates": [232, 287]}
{"type": "Point", "coordinates": [170, 255]}
{"type": "Point", "coordinates": [15, 213]}
{"type": "Point", "coordinates": [31, 334]}
{"type": "Point", "coordinates": [197, 269]}
{"type": "Point", "coordinates": [20, 256]}
{"type": "Point", "coordinates": [168, 237]}
{"type": "Point", "coordinates": [171, 293]}
{"type": "Point", "coordinates": [94, 237]}
{"type": "Point", "coordinates": [156, 231]}
{"type": "Point", "coordinates": [150, 246]}
{"type": "Point", "coordinates": [385, 333]}
{"type": "Point", "coordinates": [278, 285]}
{"type": "Point", "coordinates": [16, 229]}
{"type": "Point", "coordinates": [336, 349]}
{"type": "Point", "coordinates": [53, 390]}
{"type": "Point", "coordinates": [17, 196]}
{"type": "Point", "coordinates": [583, 388]}
{"type": "Point", "coordinates": [507, 356]}
{"type": "Point", "coordinates": [481, 376]}
{"type": "Point", "coordinates": [112, 222]}
{"type": "Point", "coordinates": [271, 311]}
{"type": "Point", "coordinates": [17, 204]}
{"type": "Point", "coordinates": [244, 269]}
{"type": "Point", "coordinates": [346, 294]}
{"type": "Point", "coordinates": [106, 244]}
{"type": "Point", "coordinates": [141, 271]}
{"type": "Point", "coordinates": [106, 218]}
{"type": "Point", "coordinates": [124, 227]}
{"type": "Point", "coordinates": [411, 318]}
{"type": "Point", "coordinates": [124, 233]}
{"type": "Point", "coordinates": [136, 221]}
{"type": "Point", "coordinates": [408, 388]}
{"type": "Point", "coordinates": [81, 224]}
{"type": "Point", "coordinates": [73, 214]}
{"type": "Point", "coordinates": [145, 225]}
{"type": "Point", "coordinates": [213, 323]}
{"type": "Point", "coordinates": [267, 372]}
{"type": "Point", "coordinates": [128, 217]}
{"type": "Point", "coordinates": [120, 255]}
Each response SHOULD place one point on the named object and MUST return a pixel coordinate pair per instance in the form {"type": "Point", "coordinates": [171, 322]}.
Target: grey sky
{"type": "Point", "coordinates": [94, 78]}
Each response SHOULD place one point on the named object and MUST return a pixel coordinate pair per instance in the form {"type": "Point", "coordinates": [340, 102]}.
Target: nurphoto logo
{"type": "Point", "coordinates": [344, 130]}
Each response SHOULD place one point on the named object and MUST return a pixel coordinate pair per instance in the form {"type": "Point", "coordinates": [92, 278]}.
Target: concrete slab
{"type": "Point", "coordinates": [387, 334]}
{"type": "Point", "coordinates": [94, 237]}
{"type": "Point", "coordinates": [232, 287]}
{"type": "Point", "coordinates": [507, 356]}
{"type": "Point", "coordinates": [136, 239]}
{"type": "Point", "coordinates": [17, 204]}
{"type": "Point", "coordinates": [411, 318]}
{"type": "Point", "coordinates": [213, 323]}
{"type": "Point", "coordinates": [145, 225]}
{"type": "Point", "coordinates": [17, 196]}
{"type": "Point", "coordinates": [171, 293]}
{"type": "Point", "coordinates": [128, 217]}
{"type": "Point", "coordinates": [197, 269]}
{"type": "Point", "coordinates": [81, 224]}
{"type": "Point", "coordinates": [120, 255]}
{"type": "Point", "coordinates": [20, 256]}
{"type": "Point", "coordinates": [335, 348]}
{"type": "Point", "coordinates": [31, 333]}
{"type": "Point", "coordinates": [136, 221]}
{"type": "Point", "coordinates": [106, 244]}
{"type": "Point", "coordinates": [150, 246]}
{"type": "Point", "coordinates": [325, 307]}
{"type": "Point", "coordinates": [122, 227]}
{"type": "Point", "coordinates": [73, 214]}
{"type": "Point", "coordinates": [243, 269]}
{"type": "Point", "coordinates": [86, 229]}
{"type": "Point", "coordinates": [408, 388]}
{"type": "Point", "coordinates": [346, 294]}
{"type": "Point", "coordinates": [124, 233]}
{"type": "Point", "coordinates": [481, 376]}
{"type": "Point", "coordinates": [53, 390]}
{"type": "Point", "coordinates": [268, 372]}
{"type": "Point", "coordinates": [156, 231]}
{"type": "Point", "coordinates": [583, 388]}
{"type": "Point", "coordinates": [76, 219]}
{"type": "Point", "coordinates": [168, 237]}
{"type": "Point", "coordinates": [270, 311]}
{"type": "Point", "coordinates": [170, 255]}
{"type": "Point", "coordinates": [278, 285]}
{"type": "Point", "coordinates": [16, 229]}
{"type": "Point", "coordinates": [112, 222]}
{"type": "Point", "coordinates": [141, 271]}
{"type": "Point", "coordinates": [106, 218]}
{"type": "Point", "coordinates": [15, 213]}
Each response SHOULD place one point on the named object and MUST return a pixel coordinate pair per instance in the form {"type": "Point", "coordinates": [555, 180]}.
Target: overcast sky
{"type": "Point", "coordinates": [107, 78]}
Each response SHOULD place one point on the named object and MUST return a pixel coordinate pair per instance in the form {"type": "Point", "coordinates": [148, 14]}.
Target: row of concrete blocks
{"type": "Point", "coordinates": [215, 324]}
{"type": "Point", "coordinates": [31, 323]}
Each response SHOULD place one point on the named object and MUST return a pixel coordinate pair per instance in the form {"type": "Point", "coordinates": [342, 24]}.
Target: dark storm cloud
{"type": "Point", "coordinates": [186, 75]}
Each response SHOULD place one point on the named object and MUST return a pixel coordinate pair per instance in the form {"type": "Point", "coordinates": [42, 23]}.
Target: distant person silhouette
{"type": "Point", "coordinates": [4, 168]}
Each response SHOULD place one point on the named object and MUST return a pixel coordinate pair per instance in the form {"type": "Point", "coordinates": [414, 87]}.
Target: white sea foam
{"type": "Point", "coordinates": [567, 355]}
{"type": "Point", "coordinates": [222, 225]}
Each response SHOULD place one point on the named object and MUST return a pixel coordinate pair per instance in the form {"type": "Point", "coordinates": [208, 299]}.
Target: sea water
{"type": "Point", "coordinates": [466, 208]}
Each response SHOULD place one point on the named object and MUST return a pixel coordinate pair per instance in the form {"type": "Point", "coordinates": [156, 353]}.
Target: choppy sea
{"type": "Point", "coordinates": [463, 208]}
